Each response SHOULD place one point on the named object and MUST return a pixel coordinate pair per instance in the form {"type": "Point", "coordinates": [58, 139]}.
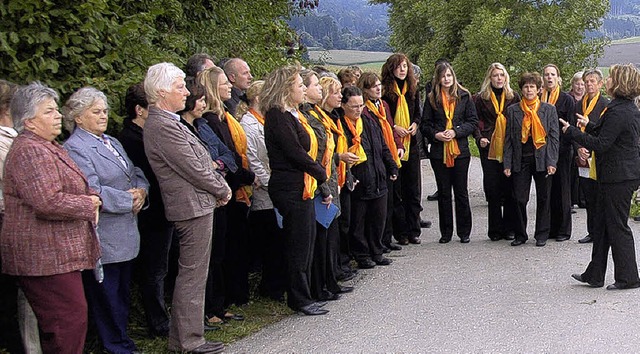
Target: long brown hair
{"type": "Point", "coordinates": [435, 96]}
{"type": "Point", "coordinates": [388, 77]}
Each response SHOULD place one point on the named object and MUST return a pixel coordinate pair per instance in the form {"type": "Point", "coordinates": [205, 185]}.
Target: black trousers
{"type": "Point", "coordinates": [215, 291]}
{"type": "Point", "coordinates": [521, 189]}
{"type": "Point", "coordinates": [343, 259]}
{"type": "Point", "coordinates": [612, 231]}
{"type": "Point", "coordinates": [237, 257]}
{"type": "Point", "coordinates": [590, 188]}
{"type": "Point", "coordinates": [367, 226]}
{"type": "Point", "coordinates": [498, 191]}
{"type": "Point", "coordinates": [455, 177]}
{"type": "Point", "coordinates": [561, 196]}
{"type": "Point", "coordinates": [387, 235]}
{"type": "Point", "coordinates": [407, 196]}
{"type": "Point", "coordinates": [299, 226]}
{"type": "Point", "coordinates": [323, 278]}
{"type": "Point", "coordinates": [153, 265]}
{"type": "Point", "coordinates": [269, 243]}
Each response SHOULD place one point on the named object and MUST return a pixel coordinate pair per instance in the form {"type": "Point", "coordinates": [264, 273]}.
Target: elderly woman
{"type": "Point", "coordinates": [560, 196]}
{"type": "Point", "coordinates": [123, 191]}
{"type": "Point", "coordinates": [155, 230]}
{"type": "Point", "coordinates": [295, 174]}
{"type": "Point", "coordinates": [191, 188]}
{"type": "Point", "coordinates": [531, 151]}
{"type": "Point", "coordinates": [578, 86]}
{"type": "Point", "coordinates": [449, 118]}
{"type": "Point", "coordinates": [49, 204]}
{"type": "Point", "coordinates": [491, 105]}
{"type": "Point", "coordinates": [614, 141]}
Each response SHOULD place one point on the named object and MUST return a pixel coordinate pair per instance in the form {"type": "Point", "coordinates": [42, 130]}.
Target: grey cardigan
{"type": "Point", "coordinates": [258, 161]}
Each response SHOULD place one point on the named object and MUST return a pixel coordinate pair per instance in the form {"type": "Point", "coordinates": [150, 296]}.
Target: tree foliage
{"type": "Point", "coordinates": [110, 43]}
{"type": "Point", "coordinates": [524, 35]}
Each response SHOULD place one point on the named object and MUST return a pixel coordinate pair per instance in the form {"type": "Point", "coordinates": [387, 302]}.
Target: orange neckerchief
{"type": "Point", "coordinates": [310, 183]}
{"type": "Point", "coordinates": [592, 166]}
{"type": "Point", "coordinates": [402, 118]}
{"type": "Point", "coordinates": [531, 123]}
{"type": "Point", "coordinates": [496, 148]}
{"type": "Point", "coordinates": [451, 149]}
{"type": "Point", "coordinates": [586, 110]}
{"type": "Point", "coordinates": [387, 132]}
{"type": "Point", "coordinates": [553, 97]}
{"type": "Point", "coordinates": [243, 194]}
{"type": "Point", "coordinates": [341, 144]}
{"type": "Point", "coordinates": [330, 145]}
{"type": "Point", "coordinates": [356, 131]}
{"type": "Point", "coordinates": [257, 115]}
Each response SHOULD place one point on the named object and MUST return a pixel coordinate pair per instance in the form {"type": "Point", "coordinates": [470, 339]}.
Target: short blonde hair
{"type": "Point", "coordinates": [625, 81]}
{"type": "Point", "coordinates": [329, 86]}
{"type": "Point", "coordinates": [485, 89]}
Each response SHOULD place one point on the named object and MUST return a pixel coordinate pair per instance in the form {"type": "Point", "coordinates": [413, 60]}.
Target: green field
{"type": "Point", "coordinates": [629, 40]}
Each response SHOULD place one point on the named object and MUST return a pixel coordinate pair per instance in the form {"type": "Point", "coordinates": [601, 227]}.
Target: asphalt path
{"type": "Point", "coordinates": [480, 297]}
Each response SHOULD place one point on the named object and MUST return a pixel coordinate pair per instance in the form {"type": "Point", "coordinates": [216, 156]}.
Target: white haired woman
{"type": "Point", "coordinates": [191, 188]}
{"type": "Point", "coordinates": [123, 189]}
{"type": "Point", "coordinates": [48, 235]}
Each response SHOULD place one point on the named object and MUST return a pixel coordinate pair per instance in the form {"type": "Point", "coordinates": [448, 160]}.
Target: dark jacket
{"type": "Point", "coordinates": [287, 145]}
{"type": "Point", "coordinates": [234, 101]}
{"type": "Point", "coordinates": [465, 121]}
{"type": "Point", "coordinates": [594, 116]}
{"type": "Point", "coordinates": [331, 185]}
{"type": "Point", "coordinates": [545, 156]}
{"type": "Point", "coordinates": [373, 173]}
{"type": "Point", "coordinates": [218, 150]}
{"type": "Point", "coordinates": [487, 116]}
{"type": "Point", "coordinates": [413, 102]}
{"type": "Point", "coordinates": [615, 142]}
{"type": "Point", "coordinates": [242, 176]}
{"type": "Point", "coordinates": [565, 109]}
{"type": "Point", "coordinates": [396, 138]}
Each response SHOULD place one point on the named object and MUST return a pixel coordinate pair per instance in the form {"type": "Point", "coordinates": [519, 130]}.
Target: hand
{"type": "Point", "coordinates": [393, 177]}
{"type": "Point", "coordinates": [96, 204]}
{"type": "Point", "coordinates": [565, 125]}
{"type": "Point", "coordinates": [400, 153]}
{"type": "Point", "coordinates": [349, 157]}
{"type": "Point", "coordinates": [401, 131]}
{"type": "Point", "coordinates": [442, 136]}
{"type": "Point", "coordinates": [327, 200]}
{"type": "Point", "coordinates": [139, 197]}
{"type": "Point", "coordinates": [551, 170]}
{"type": "Point", "coordinates": [450, 133]}
{"type": "Point", "coordinates": [224, 200]}
{"type": "Point", "coordinates": [507, 172]}
{"type": "Point", "coordinates": [484, 142]}
{"type": "Point", "coordinates": [583, 153]}
{"type": "Point", "coordinates": [215, 165]}
{"type": "Point", "coordinates": [413, 129]}
{"type": "Point", "coordinates": [256, 183]}
{"type": "Point", "coordinates": [582, 120]}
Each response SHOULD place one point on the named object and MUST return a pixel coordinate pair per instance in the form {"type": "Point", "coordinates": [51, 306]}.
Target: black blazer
{"type": "Point", "coordinates": [615, 142]}
{"type": "Point", "coordinates": [565, 109]}
{"type": "Point", "coordinates": [546, 155]}
{"type": "Point", "coordinates": [487, 116]}
{"type": "Point", "coordinates": [465, 122]}
{"type": "Point", "coordinates": [287, 144]}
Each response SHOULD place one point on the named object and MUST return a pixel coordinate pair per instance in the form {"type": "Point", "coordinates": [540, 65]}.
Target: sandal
{"type": "Point", "coordinates": [213, 321]}
{"type": "Point", "coordinates": [232, 316]}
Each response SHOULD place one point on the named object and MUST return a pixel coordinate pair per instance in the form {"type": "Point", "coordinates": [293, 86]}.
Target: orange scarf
{"type": "Point", "coordinates": [330, 145]}
{"type": "Point", "coordinates": [496, 148]}
{"type": "Point", "coordinates": [257, 115]}
{"type": "Point", "coordinates": [387, 132]}
{"type": "Point", "coordinates": [586, 110]}
{"type": "Point", "coordinates": [451, 149]}
{"type": "Point", "coordinates": [341, 144]}
{"type": "Point", "coordinates": [531, 124]}
{"type": "Point", "coordinates": [402, 118]}
{"type": "Point", "coordinates": [356, 131]}
{"type": "Point", "coordinates": [553, 97]}
{"type": "Point", "coordinates": [310, 183]}
{"type": "Point", "coordinates": [243, 194]}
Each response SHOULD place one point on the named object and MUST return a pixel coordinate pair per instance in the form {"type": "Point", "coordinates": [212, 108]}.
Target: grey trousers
{"type": "Point", "coordinates": [187, 311]}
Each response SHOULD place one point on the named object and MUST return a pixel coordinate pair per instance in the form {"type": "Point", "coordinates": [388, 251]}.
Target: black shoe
{"type": "Point", "coordinates": [495, 237]}
{"type": "Point", "coordinates": [415, 240]}
{"type": "Point", "coordinates": [464, 239]}
{"type": "Point", "coordinates": [573, 211]}
{"type": "Point", "coordinates": [346, 276]}
{"type": "Point", "coordinates": [579, 278]}
{"type": "Point", "coordinates": [344, 289]}
{"type": "Point", "coordinates": [366, 264]}
{"type": "Point", "coordinates": [320, 304]}
{"type": "Point", "coordinates": [616, 286]}
{"type": "Point", "coordinates": [425, 224]}
{"type": "Point", "coordinates": [433, 196]}
{"type": "Point", "coordinates": [386, 250]}
{"type": "Point", "coordinates": [561, 238]}
{"type": "Point", "coordinates": [312, 310]}
{"type": "Point", "coordinates": [332, 297]}
{"type": "Point", "coordinates": [444, 240]}
{"type": "Point", "coordinates": [541, 243]}
{"type": "Point", "coordinates": [403, 241]}
{"type": "Point", "coordinates": [586, 239]}
{"type": "Point", "coordinates": [394, 247]}
{"type": "Point", "coordinates": [382, 261]}
{"type": "Point", "coordinates": [209, 348]}
{"type": "Point", "coordinates": [517, 242]}
{"type": "Point", "coordinates": [636, 218]}
{"type": "Point", "coordinates": [510, 236]}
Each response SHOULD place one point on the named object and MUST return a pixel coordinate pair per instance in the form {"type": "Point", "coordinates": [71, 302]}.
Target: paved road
{"type": "Point", "coordinates": [481, 297]}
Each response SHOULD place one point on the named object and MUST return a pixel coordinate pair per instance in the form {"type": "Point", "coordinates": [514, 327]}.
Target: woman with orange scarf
{"type": "Point", "coordinates": [491, 104]}
{"type": "Point", "coordinates": [399, 90]}
{"type": "Point", "coordinates": [229, 258]}
{"type": "Point", "coordinates": [531, 151]}
{"type": "Point", "coordinates": [449, 118]}
{"type": "Point", "coordinates": [292, 148]}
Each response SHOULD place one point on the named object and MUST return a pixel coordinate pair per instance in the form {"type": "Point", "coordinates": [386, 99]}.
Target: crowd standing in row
{"type": "Point", "coordinates": [296, 175]}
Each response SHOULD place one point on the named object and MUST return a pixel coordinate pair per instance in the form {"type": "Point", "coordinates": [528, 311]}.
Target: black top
{"type": "Point", "coordinates": [287, 144]}
{"type": "Point", "coordinates": [232, 103]}
{"type": "Point", "coordinates": [565, 108]}
{"type": "Point", "coordinates": [487, 115]}
{"type": "Point", "coordinates": [131, 140]}
{"type": "Point", "coordinates": [615, 142]}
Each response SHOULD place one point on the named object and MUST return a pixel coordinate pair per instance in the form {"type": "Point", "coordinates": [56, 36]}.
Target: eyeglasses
{"type": "Point", "coordinates": [354, 107]}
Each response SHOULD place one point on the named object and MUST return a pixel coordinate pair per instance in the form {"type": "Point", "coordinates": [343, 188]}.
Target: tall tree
{"type": "Point", "coordinates": [522, 34]}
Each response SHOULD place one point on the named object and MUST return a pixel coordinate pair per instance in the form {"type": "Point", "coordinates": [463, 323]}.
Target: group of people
{"type": "Point", "coordinates": [297, 175]}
